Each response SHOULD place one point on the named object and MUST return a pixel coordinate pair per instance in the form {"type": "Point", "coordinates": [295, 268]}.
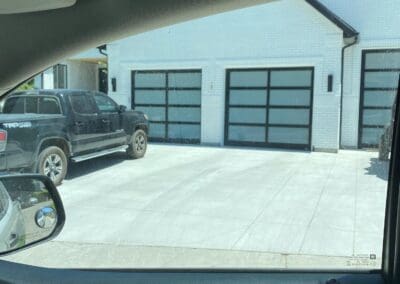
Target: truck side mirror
{"type": "Point", "coordinates": [122, 108]}
{"type": "Point", "coordinates": [31, 211]}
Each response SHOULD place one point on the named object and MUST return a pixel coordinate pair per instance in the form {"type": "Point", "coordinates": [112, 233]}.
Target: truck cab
{"type": "Point", "coordinates": [68, 126]}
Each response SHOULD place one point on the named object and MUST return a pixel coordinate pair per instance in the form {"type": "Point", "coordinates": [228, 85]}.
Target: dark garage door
{"type": "Point", "coordinates": [172, 100]}
{"type": "Point", "coordinates": [379, 82]}
{"type": "Point", "coordinates": [269, 107]}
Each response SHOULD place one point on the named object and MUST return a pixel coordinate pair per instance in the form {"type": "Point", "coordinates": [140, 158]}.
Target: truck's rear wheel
{"type": "Point", "coordinates": [53, 163]}
{"type": "Point", "coordinates": [137, 147]}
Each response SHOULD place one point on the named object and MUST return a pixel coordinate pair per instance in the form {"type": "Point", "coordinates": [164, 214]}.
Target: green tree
{"type": "Point", "coordinates": [29, 85]}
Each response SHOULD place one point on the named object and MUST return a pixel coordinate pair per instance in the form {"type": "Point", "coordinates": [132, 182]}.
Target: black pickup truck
{"type": "Point", "coordinates": [43, 130]}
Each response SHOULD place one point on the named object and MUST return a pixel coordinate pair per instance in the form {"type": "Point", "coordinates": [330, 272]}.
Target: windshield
{"type": "Point", "coordinates": [255, 138]}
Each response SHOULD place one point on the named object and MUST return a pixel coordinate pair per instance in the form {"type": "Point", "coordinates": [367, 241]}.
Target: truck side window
{"type": "Point", "coordinates": [31, 105]}
{"type": "Point", "coordinates": [14, 105]}
{"type": "Point", "coordinates": [82, 105]}
{"type": "Point", "coordinates": [49, 106]}
{"type": "Point", "coordinates": [105, 104]}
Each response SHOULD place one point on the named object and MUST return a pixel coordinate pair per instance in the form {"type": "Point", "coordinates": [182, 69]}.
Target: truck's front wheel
{"type": "Point", "coordinates": [137, 147]}
{"type": "Point", "coordinates": [53, 163]}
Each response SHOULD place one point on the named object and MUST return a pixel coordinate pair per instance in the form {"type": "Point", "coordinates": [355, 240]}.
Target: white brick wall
{"type": "Point", "coordinates": [253, 37]}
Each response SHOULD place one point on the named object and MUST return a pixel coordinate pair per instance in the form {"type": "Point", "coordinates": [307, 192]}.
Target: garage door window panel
{"type": "Point", "coordinates": [287, 135]}
{"type": "Point", "coordinates": [154, 113]}
{"type": "Point", "coordinates": [157, 130]}
{"type": "Point", "coordinates": [184, 80]}
{"type": "Point", "coordinates": [185, 97]}
{"type": "Point", "coordinates": [371, 135]}
{"type": "Point", "coordinates": [379, 98]}
{"type": "Point", "coordinates": [291, 78]}
{"type": "Point", "coordinates": [150, 97]}
{"type": "Point", "coordinates": [247, 115]}
{"type": "Point", "coordinates": [247, 133]}
{"type": "Point", "coordinates": [381, 80]}
{"type": "Point", "coordinates": [243, 79]}
{"type": "Point", "coordinates": [289, 116]}
{"type": "Point", "coordinates": [290, 98]}
{"type": "Point", "coordinates": [186, 114]}
{"type": "Point", "coordinates": [377, 117]}
{"type": "Point", "coordinates": [248, 97]}
{"type": "Point", "coordinates": [388, 59]}
{"type": "Point", "coordinates": [150, 80]}
{"type": "Point", "coordinates": [183, 131]}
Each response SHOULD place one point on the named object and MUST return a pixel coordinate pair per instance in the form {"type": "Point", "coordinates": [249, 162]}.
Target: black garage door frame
{"type": "Point", "coordinates": [365, 70]}
{"type": "Point", "coordinates": [167, 89]}
{"type": "Point", "coordinates": [267, 107]}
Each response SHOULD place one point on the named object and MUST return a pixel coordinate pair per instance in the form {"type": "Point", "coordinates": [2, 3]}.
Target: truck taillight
{"type": "Point", "coordinates": [3, 140]}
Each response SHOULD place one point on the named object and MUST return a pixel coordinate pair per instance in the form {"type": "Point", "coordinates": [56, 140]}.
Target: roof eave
{"type": "Point", "coordinates": [349, 33]}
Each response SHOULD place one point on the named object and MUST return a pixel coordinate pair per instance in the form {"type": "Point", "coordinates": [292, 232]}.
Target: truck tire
{"type": "Point", "coordinates": [53, 163]}
{"type": "Point", "coordinates": [138, 145]}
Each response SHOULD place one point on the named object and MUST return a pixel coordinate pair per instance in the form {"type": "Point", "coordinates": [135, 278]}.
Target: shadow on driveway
{"type": "Point", "coordinates": [86, 167]}
{"type": "Point", "coordinates": [378, 168]}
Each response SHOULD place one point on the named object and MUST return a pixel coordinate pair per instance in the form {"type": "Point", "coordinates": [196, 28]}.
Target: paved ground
{"type": "Point", "coordinates": [205, 206]}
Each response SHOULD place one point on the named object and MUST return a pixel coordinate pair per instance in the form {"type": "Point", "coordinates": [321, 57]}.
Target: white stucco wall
{"type": "Point", "coordinates": [253, 37]}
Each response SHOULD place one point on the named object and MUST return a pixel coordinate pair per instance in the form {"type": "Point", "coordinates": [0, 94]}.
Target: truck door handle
{"type": "Point", "coordinates": [105, 120]}
{"type": "Point", "coordinates": [79, 123]}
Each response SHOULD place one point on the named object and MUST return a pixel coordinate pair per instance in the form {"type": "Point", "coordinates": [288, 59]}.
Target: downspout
{"type": "Point", "coordinates": [355, 40]}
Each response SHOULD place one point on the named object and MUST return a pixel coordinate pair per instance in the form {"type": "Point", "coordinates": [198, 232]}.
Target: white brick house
{"type": "Point", "coordinates": [269, 75]}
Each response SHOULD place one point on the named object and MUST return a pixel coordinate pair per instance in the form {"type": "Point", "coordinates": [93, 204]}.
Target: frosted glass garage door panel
{"type": "Point", "coordinates": [183, 131]}
{"type": "Point", "coordinates": [290, 97]}
{"type": "Point", "coordinates": [291, 78]}
{"type": "Point", "coordinates": [149, 97]}
{"type": "Point", "coordinates": [289, 116]}
{"type": "Point", "coordinates": [377, 116]}
{"type": "Point", "coordinates": [247, 115]}
{"type": "Point", "coordinates": [186, 114]}
{"type": "Point", "coordinates": [246, 133]}
{"type": "Point", "coordinates": [184, 97]}
{"type": "Point", "coordinates": [379, 98]}
{"type": "Point", "coordinates": [248, 97]}
{"type": "Point", "coordinates": [248, 78]}
{"type": "Point", "coordinates": [154, 113]}
{"type": "Point", "coordinates": [184, 80]}
{"type": "Point", "coordinates": [157, 130]}
{"type": "Point", "coordinates": [371, 136]}
{"type": "Point", "coordinates": [381, 79]}
{"type": "Point", "coordinates": [288, 135]}
{"type": "Point", "coordinates": [381, 60]}
{"type": "Point", "coordinates": [150, 80]}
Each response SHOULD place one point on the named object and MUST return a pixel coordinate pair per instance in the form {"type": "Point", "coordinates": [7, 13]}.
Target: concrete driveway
{"type": "Point", "coordinates": [224, 207]}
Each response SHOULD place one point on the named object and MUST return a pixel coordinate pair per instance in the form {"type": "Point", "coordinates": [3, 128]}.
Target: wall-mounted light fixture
{"type": "Point", "coordinates": [114, 84]}
{"type": "Point", "coordinates": [330, 83]}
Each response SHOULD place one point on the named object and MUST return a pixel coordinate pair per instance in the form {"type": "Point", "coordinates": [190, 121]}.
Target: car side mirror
{"type": "Point", "coordinates": [122, 108]}
{"type": "Point", "coordinates": [31, 211]}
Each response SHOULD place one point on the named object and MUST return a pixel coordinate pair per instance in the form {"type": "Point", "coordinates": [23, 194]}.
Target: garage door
{"type": "Point", "coordinates": [379, 82]}
{"type": "Point", "coordinates": [269, 107]}
{"type": "Point", "coordinates": [172, 101]}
